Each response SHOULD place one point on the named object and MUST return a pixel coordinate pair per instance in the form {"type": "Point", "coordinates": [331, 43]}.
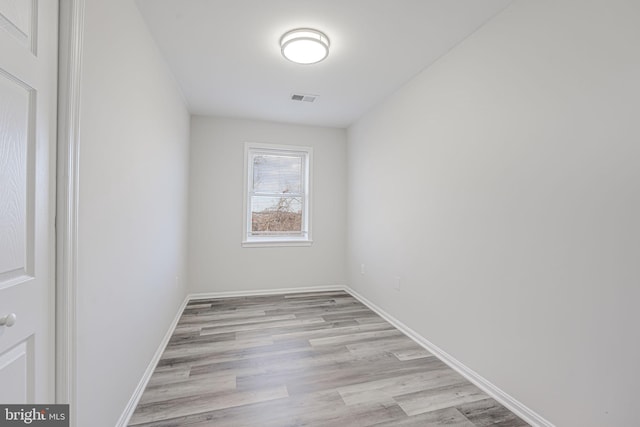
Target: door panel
{"type": "Point", "coordinates": [15, 370]}
{"type": "Point", "coordinates": [19, 18]}
{"type": "Point", "coordinates": [16, 208]}
{"type": "Point", "coordinates": [28, 80]}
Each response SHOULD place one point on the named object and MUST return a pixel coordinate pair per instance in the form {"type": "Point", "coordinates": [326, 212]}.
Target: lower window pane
{"type": "Point", "coordinates": [276, 215]}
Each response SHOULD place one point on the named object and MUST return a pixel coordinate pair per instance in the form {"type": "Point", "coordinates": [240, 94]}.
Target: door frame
{"type": "Point", "coordinates": [70, 42]}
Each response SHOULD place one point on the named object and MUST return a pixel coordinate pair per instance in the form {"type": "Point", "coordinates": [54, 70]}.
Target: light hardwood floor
{"type": "Point", "coordinates": [309, 359]}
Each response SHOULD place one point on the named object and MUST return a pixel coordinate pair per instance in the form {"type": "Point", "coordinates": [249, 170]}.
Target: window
{"type": "Point", "coordinates": [277, 200]}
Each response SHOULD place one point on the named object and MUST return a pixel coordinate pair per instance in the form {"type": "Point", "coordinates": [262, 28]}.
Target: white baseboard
{"type": "Point", "coordinates": [137, 394]}
{"type": "Point", "coordinates": [505, 399]}
{"type": "Point", "coordinates": [509, 402]}
{"type": "Point", "coordinates": [231, 294]}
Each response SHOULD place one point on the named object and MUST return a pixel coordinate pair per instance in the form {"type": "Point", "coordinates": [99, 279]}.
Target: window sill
{"type": "Point", "coordinates": [275, 243]}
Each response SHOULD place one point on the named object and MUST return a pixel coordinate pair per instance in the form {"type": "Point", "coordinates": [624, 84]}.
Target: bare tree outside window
{"type": "Point", "coordinates": [284, 217]}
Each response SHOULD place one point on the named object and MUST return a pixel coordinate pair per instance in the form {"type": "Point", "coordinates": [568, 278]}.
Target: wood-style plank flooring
{"type": "Point", "coordinates": [309, 359]}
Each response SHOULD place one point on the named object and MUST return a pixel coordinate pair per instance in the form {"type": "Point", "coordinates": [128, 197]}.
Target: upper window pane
{"type": "Point", "coordinates": [277, 173]}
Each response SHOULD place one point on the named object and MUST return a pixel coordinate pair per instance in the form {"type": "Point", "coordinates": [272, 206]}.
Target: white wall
{"type": "Point", "coordinates": [132, 215]}
{"type": "Point", "coordinates": [503, 186]}
{"type": "Point", "coordinates": [217, 262]}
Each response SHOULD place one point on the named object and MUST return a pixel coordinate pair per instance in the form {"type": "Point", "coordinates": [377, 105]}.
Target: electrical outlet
{"type": "Point", "coordinates": [361, 268]}
{"type": "Point", "coordinates": [396, 283]}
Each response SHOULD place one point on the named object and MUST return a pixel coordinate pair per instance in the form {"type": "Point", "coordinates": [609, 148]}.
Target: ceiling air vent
{"type": "Point", "coordinates": [303, 97]}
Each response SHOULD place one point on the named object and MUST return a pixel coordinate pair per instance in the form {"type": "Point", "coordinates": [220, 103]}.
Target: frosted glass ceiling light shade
{"type": "Point", "coordinates": [304, 46]}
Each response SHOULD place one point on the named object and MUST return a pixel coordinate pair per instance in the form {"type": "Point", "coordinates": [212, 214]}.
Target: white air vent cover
{"type": "Point", "coordinates": [303, 97]}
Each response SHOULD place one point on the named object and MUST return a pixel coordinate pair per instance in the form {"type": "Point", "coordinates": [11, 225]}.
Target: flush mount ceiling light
{"type": "Point", "coordinates": [304, 46]}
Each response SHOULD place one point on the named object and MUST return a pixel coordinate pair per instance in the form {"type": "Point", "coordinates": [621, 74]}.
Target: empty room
{"type": "Point", "coordinates": [284, 213]}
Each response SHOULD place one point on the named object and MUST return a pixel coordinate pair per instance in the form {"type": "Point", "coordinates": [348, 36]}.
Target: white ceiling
{"type": "Point", "coordinates": [226, 57]}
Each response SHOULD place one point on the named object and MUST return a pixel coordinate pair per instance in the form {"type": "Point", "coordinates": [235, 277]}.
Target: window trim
{"type": "Point", "coordinates": [275, 240]}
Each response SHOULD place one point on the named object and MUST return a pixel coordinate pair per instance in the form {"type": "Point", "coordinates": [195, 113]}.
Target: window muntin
{"type": "Point", "coordinates": [277, 195]}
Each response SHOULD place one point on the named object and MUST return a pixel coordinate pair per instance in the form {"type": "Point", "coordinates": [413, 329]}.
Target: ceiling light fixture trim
{"type": "Point", "coordinates": [304, 46]}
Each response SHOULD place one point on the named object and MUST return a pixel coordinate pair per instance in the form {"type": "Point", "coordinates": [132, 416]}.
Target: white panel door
{"type": "Point", "coordinates": [28, 81]}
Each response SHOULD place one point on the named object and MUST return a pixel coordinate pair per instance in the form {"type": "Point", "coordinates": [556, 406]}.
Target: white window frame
{"type": "Point", "coordinates": [249, 240]}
